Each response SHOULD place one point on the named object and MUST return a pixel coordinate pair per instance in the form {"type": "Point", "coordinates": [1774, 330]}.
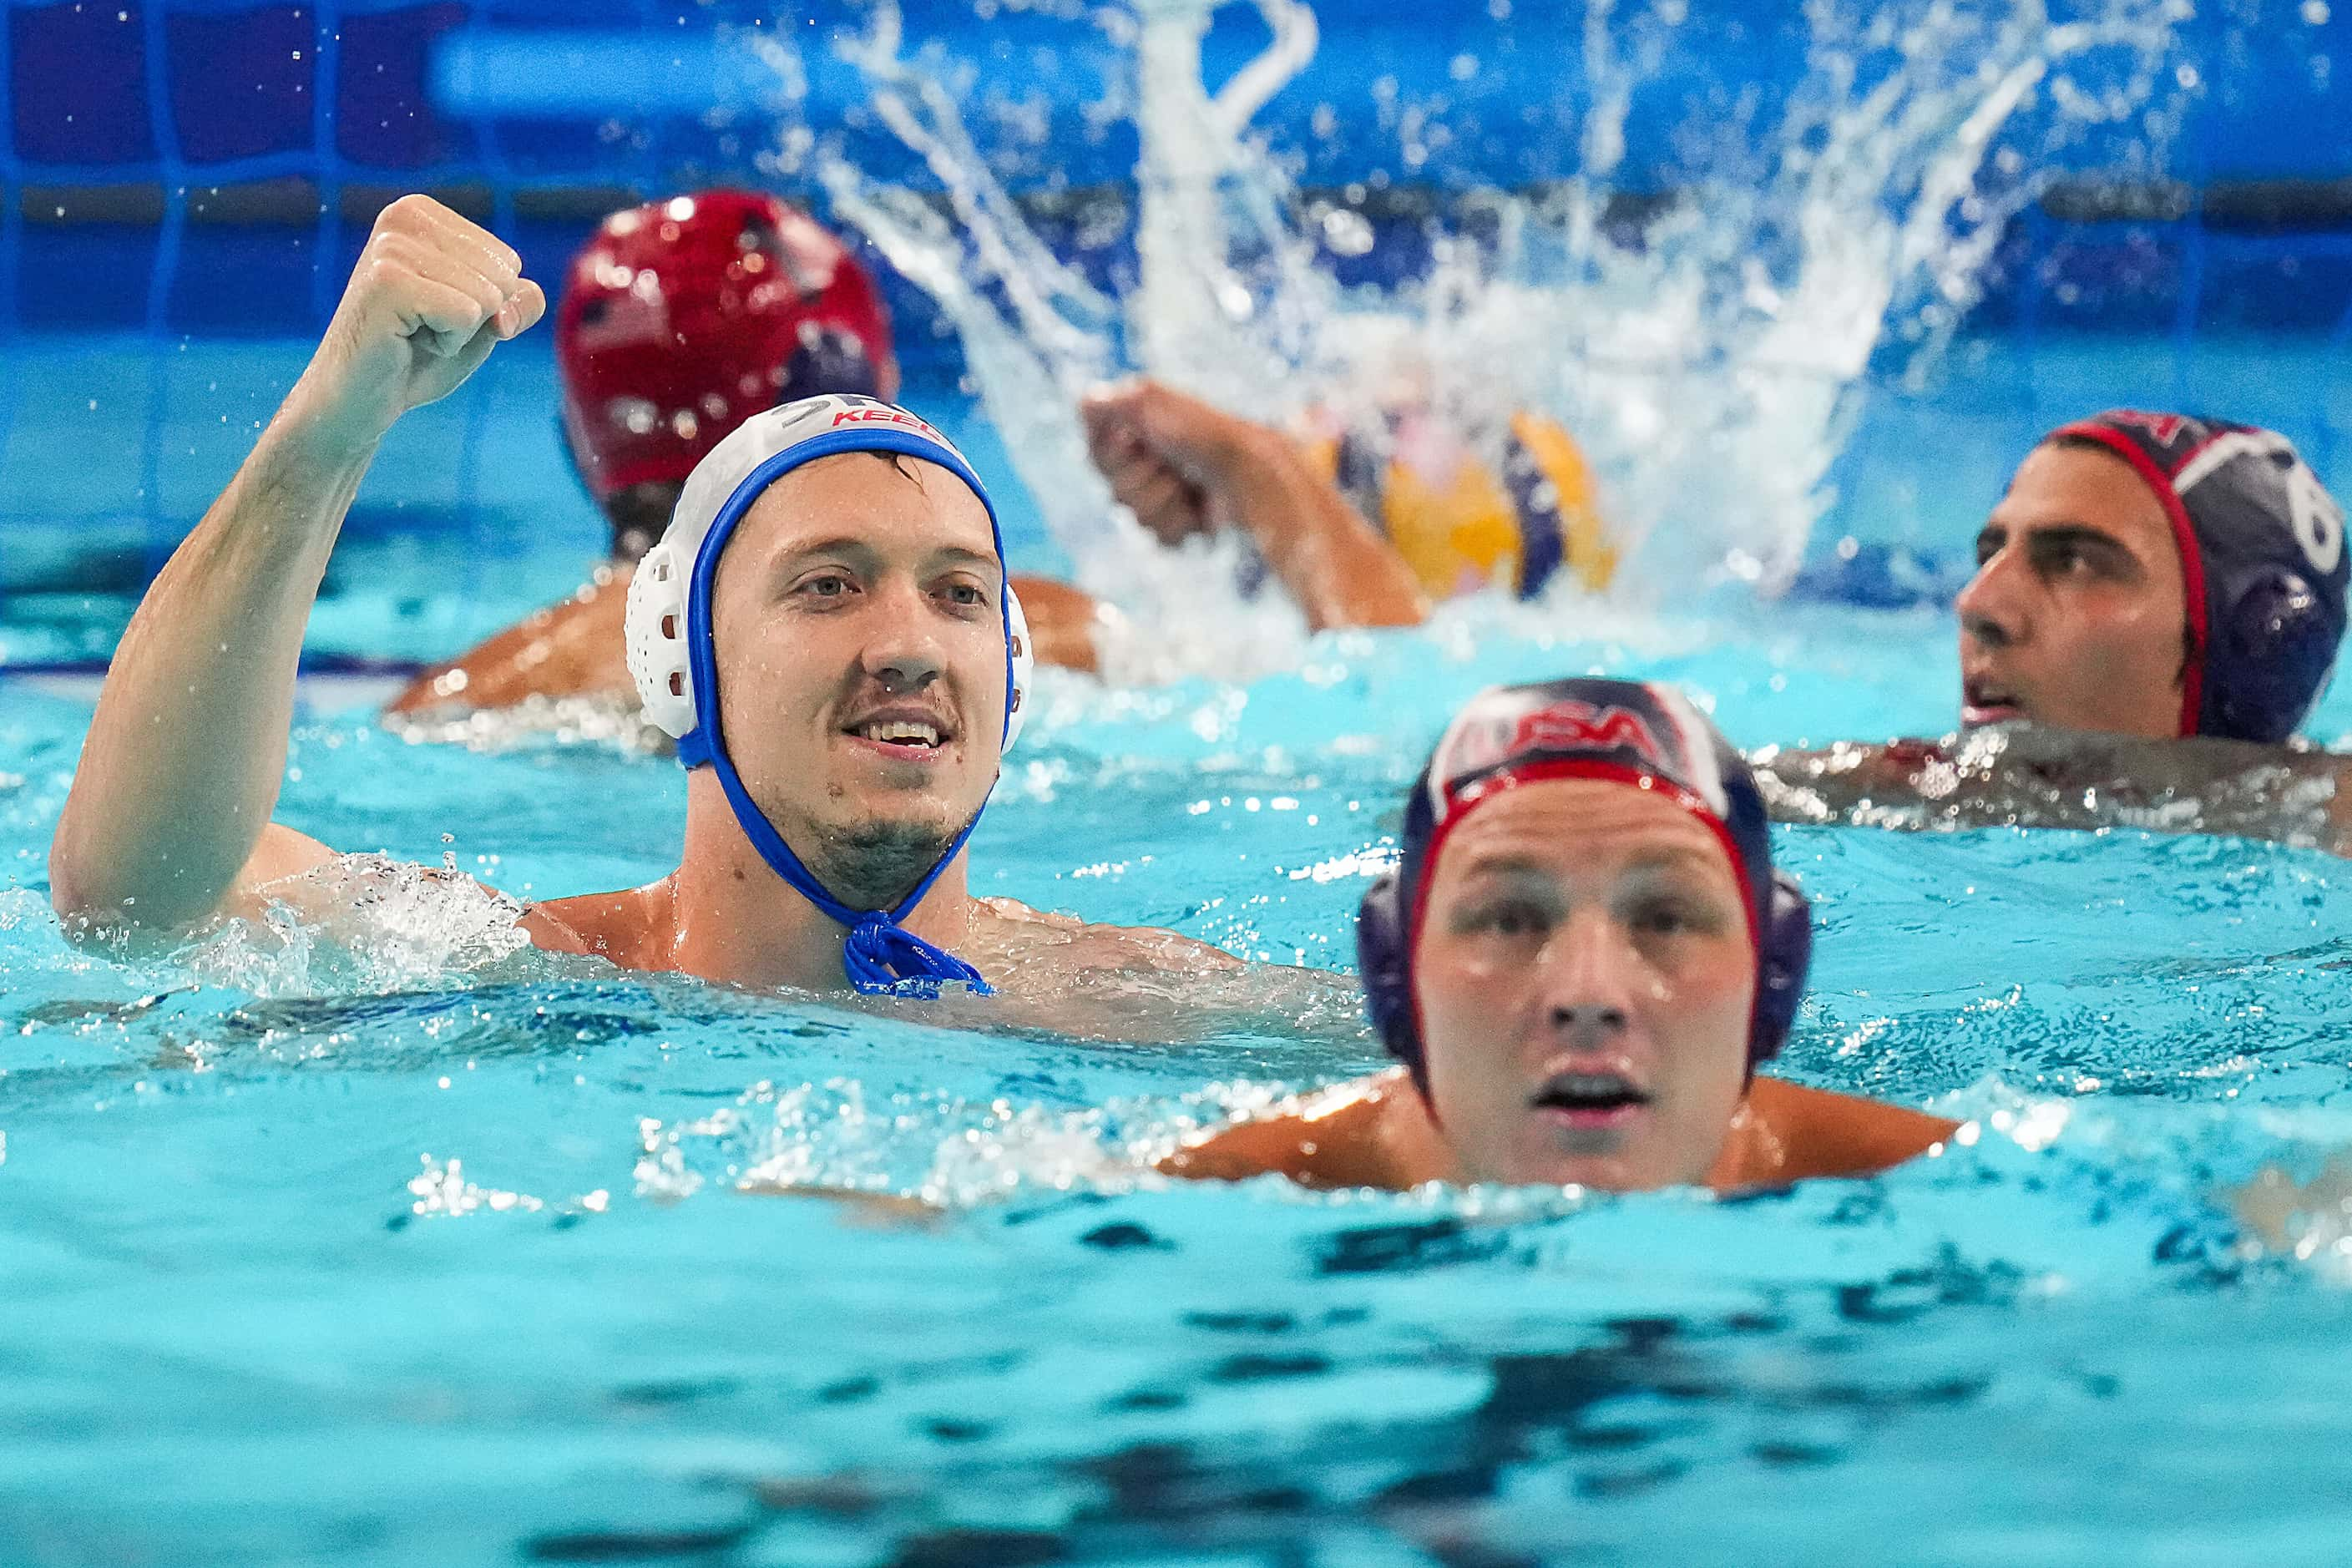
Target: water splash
{"type": "Point", "coordinates": [933, 1148]}
{"type": "Point", "coordinates": [1707, 355]}
{"type": "Point", "coordinates": [442, 1190]}
{"type": "Point", "coordinates": [361, 924]}
{"type": "Point", "coordinates": [537, 722]}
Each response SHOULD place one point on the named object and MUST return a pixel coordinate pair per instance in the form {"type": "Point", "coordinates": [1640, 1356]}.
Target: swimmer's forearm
{"type": "Point", "coordinates": [1339, 571]}
{"type": "Point", "coordinates": [1806, 786]}
{"type": "Point", "coordinates": [185, 753]}
{"type": "Point", "coordinates": [571, 649]}
{"type": "Point", "coordinates": [2050, 778]}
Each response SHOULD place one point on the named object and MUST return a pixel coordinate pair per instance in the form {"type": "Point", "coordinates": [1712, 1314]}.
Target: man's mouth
{"type": "Point", "coordinates": [1987, 702]}
{"type": "Point", "coordinates": [903, 733]}
{"type": "Point", "coordinates": [1591, 1100]}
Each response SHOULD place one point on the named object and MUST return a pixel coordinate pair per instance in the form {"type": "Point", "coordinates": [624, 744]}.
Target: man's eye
{"type": "Point", "coordinates": [1664, 919]}
{"type": "Point", "coordinates": [2073, 561]}
{"type": "Point", "coordinates": [1675, 916]}
{"type": "Point", "coordinates": [831, 585]}
{"type": "Point", "coordinates": [966, 594]}
{"type": "Point", "coordinates": [1507, 919]}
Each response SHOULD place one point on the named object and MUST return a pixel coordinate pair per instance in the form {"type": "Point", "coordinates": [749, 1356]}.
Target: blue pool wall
{"type": "Point", "coordinates": [187, 183]}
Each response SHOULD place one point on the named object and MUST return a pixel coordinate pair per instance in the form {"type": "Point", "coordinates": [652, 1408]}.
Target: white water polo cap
{"type": "Point", "coordinates": [676, 666]}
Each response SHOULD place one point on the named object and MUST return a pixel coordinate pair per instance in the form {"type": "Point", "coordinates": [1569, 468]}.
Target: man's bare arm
{"type": "Point", "coordinates": [1184, 467]}
{"type": "Point", "coordinates": [2025, 775]}
{"type": "Point", "coordinates": [169, 812]}
{"type": "Point", "coordinates": [575, 648]}
{"type": "Point", "coordinates": [1064, 622]}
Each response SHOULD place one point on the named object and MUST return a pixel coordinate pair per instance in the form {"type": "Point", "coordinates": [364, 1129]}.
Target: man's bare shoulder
{"type": "Point", "coordinates": [1369, 1132]}
{"type": "Point", "coordinates": [1018, 933]}
{"type": "Point", "coordinates": [1789, 1132]}
{"type": "Point", "coordinates": [627, 927]}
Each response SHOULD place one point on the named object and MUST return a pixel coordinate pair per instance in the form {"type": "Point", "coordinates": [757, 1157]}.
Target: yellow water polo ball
{"type": "Point", "coordinates": [1462, 524]}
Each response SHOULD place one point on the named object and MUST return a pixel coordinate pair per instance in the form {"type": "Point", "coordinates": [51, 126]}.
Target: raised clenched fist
{"type": "Point", "coordinates": [1172, 459]}
{"type": "Point", "coordinates": [431, 295]}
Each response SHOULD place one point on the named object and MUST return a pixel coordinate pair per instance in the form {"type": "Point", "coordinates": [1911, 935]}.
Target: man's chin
{"type": "Point", "coordinates": [1599, 1165]}
{"type": "Point", "coordinates": [903, 824]}
{"type": "Point", "coordinates": [877, 866]}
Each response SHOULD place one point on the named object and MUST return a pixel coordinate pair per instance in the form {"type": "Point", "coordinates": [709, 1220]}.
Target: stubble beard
{"type": "Point", "coordinates": [873, 863]}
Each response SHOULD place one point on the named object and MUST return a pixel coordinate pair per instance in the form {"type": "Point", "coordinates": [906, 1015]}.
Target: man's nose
{"type": "Point", "coordinates": [1589, 975]}
{"type": "Point", "coordinates": [903, 652]}
{"type": "Point", "coordinates": [1990, 609]}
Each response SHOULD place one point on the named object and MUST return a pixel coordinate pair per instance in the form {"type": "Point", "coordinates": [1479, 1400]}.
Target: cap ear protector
{"type": "Point", "coordinates": [1383, 967]}
{"type": "Point", "coordinates": [1784, 954]}
{"type": "Point", "coordinates": [2278, 630]}
{"type": "Point", "coordinates": [674, 663]}
{"type": "Point", "coordinates": [2263, 562]}
{"type": "Point", "coordinates": [1601, 710]}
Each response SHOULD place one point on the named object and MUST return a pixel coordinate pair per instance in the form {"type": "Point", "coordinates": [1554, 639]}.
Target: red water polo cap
{"type": "Point", "coordinates": [683, 318]}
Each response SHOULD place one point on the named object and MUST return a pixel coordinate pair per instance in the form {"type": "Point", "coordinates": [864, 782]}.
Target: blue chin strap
{"type": "Point", "coordinates": [882, 956]}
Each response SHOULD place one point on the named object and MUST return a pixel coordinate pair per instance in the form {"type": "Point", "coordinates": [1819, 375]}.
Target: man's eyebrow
{"type": "Point", "coordinates": [2077, 533]}
{"type": "Point", "coordinates": [1708, 856]}
{"type": "Point", "coordinates": [841, 545]}
{"type": "Point", "coordinates": [962, 556]}
{"type": "Point", "coordinates": [2065, 531]}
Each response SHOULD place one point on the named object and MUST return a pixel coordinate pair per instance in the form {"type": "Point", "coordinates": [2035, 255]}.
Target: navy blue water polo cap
{"type": "Point", "coordinates": [1643, 735]}
{"type": "Point", "coordinates": [2261, 553]}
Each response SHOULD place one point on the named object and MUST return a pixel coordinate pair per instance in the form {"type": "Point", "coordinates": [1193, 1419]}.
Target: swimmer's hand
{"type": "Point", "coordinates": [1184, 469]}
{"type": "Point", "coordinates": [1172, 459]}
{"type": "Point", "coordinates": [432, 294]}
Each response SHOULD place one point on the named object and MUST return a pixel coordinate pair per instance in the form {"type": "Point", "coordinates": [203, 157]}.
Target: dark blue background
{"type": "Point", "coordinates": [178, 98]}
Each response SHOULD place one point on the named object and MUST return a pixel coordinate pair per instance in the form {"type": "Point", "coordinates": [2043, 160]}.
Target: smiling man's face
{"type": "Point", "coordinates": [857, 615]}
{"type": "Point", "coordinates": [2077, 615]}
{"type": "Point", "coordinates": [1585, 976]}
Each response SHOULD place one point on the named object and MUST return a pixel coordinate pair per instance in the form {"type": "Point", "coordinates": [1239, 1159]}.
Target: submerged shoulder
{"type": "Point", "coordinates": [1021, 932]}
{"type": "Point", "coordinates": [624, 928]}
{"type": "Point", "coordinates": [1790, 1132]}
{"type": "Point", "coordinates": [1369, 1132]}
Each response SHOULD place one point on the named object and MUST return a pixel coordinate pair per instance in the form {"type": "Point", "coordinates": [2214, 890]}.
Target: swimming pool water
{"type": "Point", "coordinates": [407, 1249]}
{"type": "Point", "coordinates": [482, 475]}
